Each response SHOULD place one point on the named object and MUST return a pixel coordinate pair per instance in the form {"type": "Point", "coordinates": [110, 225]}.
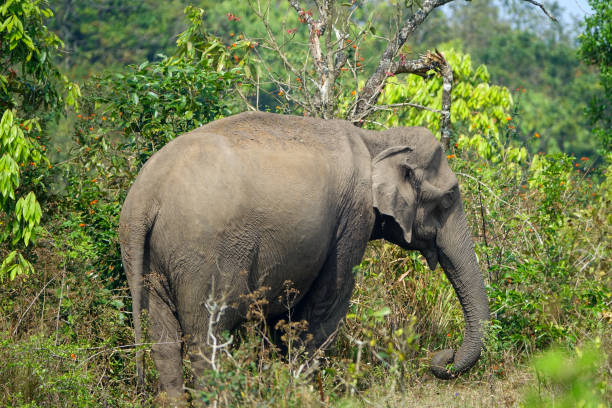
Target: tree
{"type": "Point", "coordinates": [333, 64]}
{"type": "Point", "coordinates": [32, 92]}
{"type": "Point", "coordinates": [99, 34]}
{"type": "Point", "coordinates": [596, 49]}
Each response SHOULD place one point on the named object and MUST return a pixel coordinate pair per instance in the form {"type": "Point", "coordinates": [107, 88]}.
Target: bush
{"type": "Point", "coordinates": [576, 380]}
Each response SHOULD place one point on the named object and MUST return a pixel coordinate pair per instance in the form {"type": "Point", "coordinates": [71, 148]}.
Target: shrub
{"type": "Point", "coordinates": [576, 380]}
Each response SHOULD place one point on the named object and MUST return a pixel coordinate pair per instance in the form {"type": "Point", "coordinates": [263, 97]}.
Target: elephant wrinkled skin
{"type": "Point", "coordinates": [257, 199]}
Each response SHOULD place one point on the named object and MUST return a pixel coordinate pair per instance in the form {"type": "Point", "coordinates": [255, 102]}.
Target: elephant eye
{"type": "Point", "coordinates": [449, 198]}
{"type": "Point", "coordinates": [408, 172]}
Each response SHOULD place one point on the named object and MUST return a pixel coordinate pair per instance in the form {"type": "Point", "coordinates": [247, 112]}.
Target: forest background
{"type": "Point", "coordinates": [90, 89]}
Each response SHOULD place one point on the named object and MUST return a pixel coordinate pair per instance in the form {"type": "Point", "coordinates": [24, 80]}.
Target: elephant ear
{"type": "Point", "coordinates": [393, 195]}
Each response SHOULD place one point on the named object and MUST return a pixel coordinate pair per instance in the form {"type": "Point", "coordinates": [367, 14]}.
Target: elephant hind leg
{"type": "Point", "coordinates": [167, 348]}
{"type": "Point", "coordinates": [208, 297]}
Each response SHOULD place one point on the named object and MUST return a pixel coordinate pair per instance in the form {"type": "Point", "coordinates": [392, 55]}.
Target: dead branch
{"type": "Point", "coordinates": [431, 61]}
{"type": "Point", "coordinates": [541, 6]}
{"type": "Point", "coordinates": [446, 72]}
{"type": "Point", "coordinates": [409, 104]}
{"type": "Point", "coordinates": [376, 82]}
{"type": "Point", "coordinates": [327, 46]}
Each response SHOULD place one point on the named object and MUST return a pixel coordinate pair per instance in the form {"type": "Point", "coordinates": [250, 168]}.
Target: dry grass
{"type": "Point", "coordinates": [428, 392]}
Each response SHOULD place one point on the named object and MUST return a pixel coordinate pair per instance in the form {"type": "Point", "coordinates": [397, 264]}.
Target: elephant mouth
{"type": "Point", "coordinates": [431, 256]}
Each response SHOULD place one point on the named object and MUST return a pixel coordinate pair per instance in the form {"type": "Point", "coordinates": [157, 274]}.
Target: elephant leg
{"type": "Point", "coordinates": [201, 343]}
{"type": "Point", "coordinates": [327, 301]}
{"type": "Point", "coordinates": [167, 348]}
{"type": "Point", "coordinates": [209, 295]}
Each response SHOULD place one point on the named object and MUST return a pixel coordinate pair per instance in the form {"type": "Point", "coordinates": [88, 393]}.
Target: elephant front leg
{"type": "Point", "coordinates": [327, 301]}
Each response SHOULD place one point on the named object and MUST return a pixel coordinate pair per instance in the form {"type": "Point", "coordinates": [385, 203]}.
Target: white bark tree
{"type": "Point", "coordinates": [312, 85]}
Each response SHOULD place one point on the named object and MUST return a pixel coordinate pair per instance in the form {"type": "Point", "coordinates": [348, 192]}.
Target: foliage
{"type": "Point", "coordinates": [596, 49]}
{"type": "Point", "coordinates": [525, 51]}
{"type": "Point", "coordinates": [29, 77]}
{"type": "Point", "coordinates": [25, 377]}
{"type": "Point", "coordinates": [536, 224]}
{"type": "Point", "coordinates": [25, 213]}
{"type": "Point", "coordinates": [71, 348]}
{"type": "Point", "coordinates": [574, 381]}
{"type": "Point", "coordinates": [557, 90]}
{"type": "Point", "coordinates": [31, 89]}
{"type": "Point", "coordinates": [103, 34]}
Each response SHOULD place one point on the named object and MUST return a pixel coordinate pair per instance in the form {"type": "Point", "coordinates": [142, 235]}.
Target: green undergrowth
{"type": "Point", "coordinates": [545, 267]}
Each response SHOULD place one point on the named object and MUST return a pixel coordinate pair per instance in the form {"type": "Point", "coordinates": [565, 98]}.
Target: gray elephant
{"type": "Point", "coordinates": [257, 199]}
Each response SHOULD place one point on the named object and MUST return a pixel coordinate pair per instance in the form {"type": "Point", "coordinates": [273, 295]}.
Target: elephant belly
{"type": "Point", "coordinates": [245, 221]}
{"type": "Point", "coordinates": [284, 264]}
{"type": "Point", "coordinates": [256, 250]}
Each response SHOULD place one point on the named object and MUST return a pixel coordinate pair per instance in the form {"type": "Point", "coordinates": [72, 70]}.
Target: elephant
{"type": "Point", "coordinates": [257, 199]}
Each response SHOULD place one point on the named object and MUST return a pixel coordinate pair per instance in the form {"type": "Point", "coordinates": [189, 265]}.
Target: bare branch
{"type": "Point", "coordinates": [245, 100]}
{"type": "Point", "coordinates": [316, 89]}
{"type": "Point", "coordinates": [316, 29]}
{"type": "Point", "coordinates": [403, 104]}
{"type": "Point", "coordinates": [274, 46]}
{"type": "Point", "coordinates": [376, 82]}
{"type": "Point", "coordinates": [431, 61]}
{"type": "Point", "coordinates": [446, 72]}
{"type": "Point", "coordinates": [31, 303]}
{"type": "Point", "coordinates": [541, 6]}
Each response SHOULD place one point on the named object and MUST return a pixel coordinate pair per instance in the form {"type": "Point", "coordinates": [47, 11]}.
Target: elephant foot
{"type": "Point", "coordinates": [439, 362]}
{"type": "Point", "coordinates": [171, 401]}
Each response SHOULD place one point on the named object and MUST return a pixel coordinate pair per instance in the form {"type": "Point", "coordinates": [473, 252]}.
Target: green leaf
{"type": "Point", "coordinates": [382, 312]}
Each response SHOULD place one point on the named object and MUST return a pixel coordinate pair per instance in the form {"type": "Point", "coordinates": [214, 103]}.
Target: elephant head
{"type": "Point", "coordinates": [418, 206]}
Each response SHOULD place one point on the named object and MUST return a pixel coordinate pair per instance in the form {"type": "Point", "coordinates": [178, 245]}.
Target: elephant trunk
{"type": "Point", "coordinates": [457, 257]}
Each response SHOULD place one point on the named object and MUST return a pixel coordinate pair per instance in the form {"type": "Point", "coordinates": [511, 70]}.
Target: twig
{"type": "Point", "coordinates": [119, 348]}
{"type": "Point", "coordinates": [410, 104]}
{"type": "Point", "coordinates": [503, 201]}
{"type": "Point", "coordinates": [484, 232]}
{"type": "Point", "coordinates": [320, 384]}
{"type": "Point", "coordinates": [541, 6]}
{"type": "Point", "coordinates": [31, 303]}
{"type": "Point", "coordinates": [59, 305]}
{"type": "Point", "coordinates": [257, 95]}
{"type": "Point", "coordinates": [215, 312]}
{"type": "Point", "coordinates": [245, 100]}
{"type": "Point", "coordinates": [360, 345]}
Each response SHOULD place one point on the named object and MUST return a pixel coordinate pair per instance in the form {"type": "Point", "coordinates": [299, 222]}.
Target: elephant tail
{"type": "Point", "coordinates": [134, 231]}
